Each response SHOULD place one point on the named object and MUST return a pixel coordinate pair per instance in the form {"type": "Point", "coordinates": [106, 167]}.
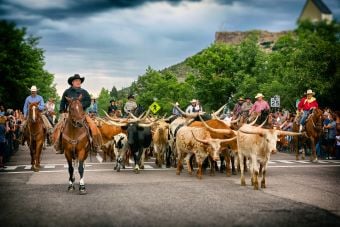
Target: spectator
{"type": "Point", "coordinates": [337, 144]}
{"type": "Point", "coordinates": [3, 130]}
{"type": "Point", "coordinates": [331, 135]}
{"type": "Point", "coordinates": [2, 110]}
{"type": "Point", "coordinates": [198, 107]}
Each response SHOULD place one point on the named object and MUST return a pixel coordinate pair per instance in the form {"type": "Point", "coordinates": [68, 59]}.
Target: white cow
{"type": "Point", "coordinates": [257, 144]}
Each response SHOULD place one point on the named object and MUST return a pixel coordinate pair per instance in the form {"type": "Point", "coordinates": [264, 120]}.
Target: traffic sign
{"type": "Point", "coordinates": [275, 101]}
{"type": "Point", "coordinates": [154, 107]}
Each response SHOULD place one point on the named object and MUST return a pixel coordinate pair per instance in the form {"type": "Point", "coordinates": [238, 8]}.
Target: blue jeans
{"type": "Point", "coordinates": [304, 117]}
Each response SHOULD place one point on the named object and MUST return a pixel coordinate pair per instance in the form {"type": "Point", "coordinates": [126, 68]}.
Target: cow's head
{"type": "Point", "coordinates": [214, 145]}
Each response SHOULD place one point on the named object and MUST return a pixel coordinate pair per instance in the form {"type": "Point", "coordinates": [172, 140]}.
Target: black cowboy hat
{"type": "Point", "coordinates": [112, 100]}
{"type": "Point", "coordinates": [131, 97]}
{"type": "Point", "coordinates": [76, 76]}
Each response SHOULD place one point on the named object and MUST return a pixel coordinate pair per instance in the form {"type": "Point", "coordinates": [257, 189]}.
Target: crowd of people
{"type": "Point", "coordinates": [12, 123]}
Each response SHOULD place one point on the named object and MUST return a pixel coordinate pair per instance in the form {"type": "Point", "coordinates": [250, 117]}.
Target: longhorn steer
{"type": "Point", "coordinates": [108, 131]}
{"type": "Point", "coordinates": [192, 140]}
{"type": "Point", "coordinates": [257, 144]}
{"type": "Point", "coordinates": [120, 144]}
{"type": "Point", "coordinates": [160, 140]}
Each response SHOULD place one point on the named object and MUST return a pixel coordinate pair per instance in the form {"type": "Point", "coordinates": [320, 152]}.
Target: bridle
{"type": "Point", "coordinates": [75, 122]}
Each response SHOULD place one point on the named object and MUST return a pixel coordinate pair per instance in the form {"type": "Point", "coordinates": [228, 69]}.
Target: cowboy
{"type": "Point", "coordinates": [34, 97]}
{"type": "Point", "coordinates": [192, 107]}
{"type": "Point", "coordinates": [246, 106]}
{"type": "Point", "coordinates": [131, 105]}
{"type": "Point", "coordinates": [50, 106]}
{"type": "Point", "coordinates": [74, 92]}
{"type": "Point", "coordinates": [175, 111]}
{"type": "Point", "coordinates": [259, 105]}
{"type": "Point", "coordinates": [305, 106]}
{"type": "Point", "coordinates": [237, 107]}
{"type": "Point", "coordinates": [112, 108]}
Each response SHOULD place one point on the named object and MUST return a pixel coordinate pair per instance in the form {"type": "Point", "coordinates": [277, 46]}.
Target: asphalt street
{"type": "Point", "coordinates": [298, 193]}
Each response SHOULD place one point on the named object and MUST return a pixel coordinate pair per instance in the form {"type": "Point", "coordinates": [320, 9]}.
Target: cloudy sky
{"type": "Point", "coordinates": [112, 42]}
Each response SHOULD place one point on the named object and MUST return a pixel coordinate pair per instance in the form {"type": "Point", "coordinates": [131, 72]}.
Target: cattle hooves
{"type": "Point", "coordinates": [82, 190]}
{"type": "Point", "coordinates": [263, 185]}
{"type": "Point", "coordinates": [234, 172]}
{"type": "Point", "coordinates": [71, 188]}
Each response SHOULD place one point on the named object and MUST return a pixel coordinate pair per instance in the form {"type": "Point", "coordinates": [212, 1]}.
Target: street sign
{"type": "Point", "coordinates": [154, 107]}
{"type": "Point", "coordinates": [275, 101]}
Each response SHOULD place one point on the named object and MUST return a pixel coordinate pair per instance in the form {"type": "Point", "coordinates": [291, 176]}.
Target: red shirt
{"type": "Point", "coordinates": [306, 104]}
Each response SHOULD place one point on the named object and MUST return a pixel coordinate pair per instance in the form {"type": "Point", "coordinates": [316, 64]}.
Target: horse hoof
{"type": "Point", "coordinates": [234, 172]}
{"type": "Point", "coordinates": [82, 190]}
{"type": "Point", "coordinates": [70, 188]}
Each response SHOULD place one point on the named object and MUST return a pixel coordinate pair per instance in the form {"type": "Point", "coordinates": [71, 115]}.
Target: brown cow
{"type": "Point", "coordinates": [160, 131]}
{"type": "Point", "coordinates": [108, 131]}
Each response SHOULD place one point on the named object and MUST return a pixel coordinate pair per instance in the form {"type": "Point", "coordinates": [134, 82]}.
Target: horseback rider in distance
{"type": "Point", "coordinates": [305, 106]}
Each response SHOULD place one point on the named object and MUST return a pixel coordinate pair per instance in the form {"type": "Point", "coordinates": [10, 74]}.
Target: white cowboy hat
{"type": "Point", "coordinates": [194, 100]}
{"type": "Point", "coordinates": [34, 88]}
{"type": "Point", "coordinates": [259, 95]}
{"type": "Point", "coordinates": [177, 104]}
{"type": "Point", "coordinates": [309, 91]}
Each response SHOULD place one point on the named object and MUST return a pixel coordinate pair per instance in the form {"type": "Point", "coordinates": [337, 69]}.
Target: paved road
{"type": "Point", "coordinates": [298, 193]}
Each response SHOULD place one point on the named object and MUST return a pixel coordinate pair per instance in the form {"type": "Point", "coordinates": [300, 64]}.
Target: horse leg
{"type": "Point", "coordinates": [38, 148]}
{"type": "Point", "coordinates": [71, 175]}
{"type": "Point", "coordinates": [82, 190]}
{"type": "Point", "coordinates": [314, 157]}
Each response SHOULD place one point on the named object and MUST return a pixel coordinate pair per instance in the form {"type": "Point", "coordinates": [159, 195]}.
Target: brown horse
{"type": "Point", "coordinates": [313, 129]}
{"type": "Point", "coordinates": [35, 134]}
{"type": "Point", "coordinates": [75, 141]}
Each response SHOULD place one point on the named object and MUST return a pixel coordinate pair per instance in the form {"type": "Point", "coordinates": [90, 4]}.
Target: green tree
{"type": "Point", "coordinates": [103, 101]}
{"type": "Point", "coordinates": [21, 66]}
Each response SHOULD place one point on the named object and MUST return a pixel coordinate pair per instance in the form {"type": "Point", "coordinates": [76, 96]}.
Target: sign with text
{"type": "Point", "coordinates": [275, 101]}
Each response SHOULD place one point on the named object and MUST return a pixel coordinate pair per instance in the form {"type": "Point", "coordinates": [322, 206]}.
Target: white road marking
{"type": "Point", "coordinates": [11, 167]}
{"type": "Point", "coordinates": [300, 161]}
{"type": "Point", "coordinates": [49, 166]}
{"type": "Point", "coordinates": [27, 167]}
{"type": "Point", "coordinates": [284, 161]}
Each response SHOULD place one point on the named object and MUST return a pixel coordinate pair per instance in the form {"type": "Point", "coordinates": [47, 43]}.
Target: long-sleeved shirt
{"type": "Point", "coordinates": [307, 104]}
{"type": "Point", "coordinates": [75, 93]}
{"type": "Point", "coordinates": [31, 99]}
{"type": "Point", "coordinates": [130, 106]}
{"type": "Point", "coordinates": [259, 106]}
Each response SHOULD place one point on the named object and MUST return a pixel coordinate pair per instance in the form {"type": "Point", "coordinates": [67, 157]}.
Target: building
{"type": "Point", "coordinates": [315, 10]}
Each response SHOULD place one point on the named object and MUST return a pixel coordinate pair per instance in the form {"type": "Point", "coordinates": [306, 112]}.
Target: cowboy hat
{"type": "Point", "coordinates": [309, 91]}
{"type": "Point", "coordinates": [177, 104]}
{"type": "Point", "coordinates": [259, 95]}
{"type": "Point", "coordinates": [112, 100]}
{"type": "Point", "coordinates": [76, 76]}
{"type": "Point", "coordinates": [240, 99]}
{"type": "Point", "coordinates": [194, 100]}
{"type": "Point", "coordinates": [34, 88]}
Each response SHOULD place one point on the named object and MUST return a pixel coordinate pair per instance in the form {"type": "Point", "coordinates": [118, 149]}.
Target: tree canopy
{"type": "Point", "coordinates": [307, 58]}
{"type": "Point", "coordinates": [21, 66]}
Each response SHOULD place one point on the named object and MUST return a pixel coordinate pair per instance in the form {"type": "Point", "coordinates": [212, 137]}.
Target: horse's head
{"type": "Point", "coordinates": [33, 111]}
{"type": "Point", "coordinates": [317, 119]}
{"type": "Point", "coordinates": [76, 112]}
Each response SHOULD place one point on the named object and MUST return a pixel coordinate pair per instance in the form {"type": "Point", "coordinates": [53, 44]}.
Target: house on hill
{"type": "Point", "coordinates": [315, 10]}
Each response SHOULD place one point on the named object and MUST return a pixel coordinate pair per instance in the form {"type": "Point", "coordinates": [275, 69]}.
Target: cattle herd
{"type": "Point", "coordinates": [188, 137]}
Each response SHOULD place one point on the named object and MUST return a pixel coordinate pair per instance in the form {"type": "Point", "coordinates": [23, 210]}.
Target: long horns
{"type": "Point", "coordinates": [206, 141]}
{"type": "Point", "coordinates": [222, 131]}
